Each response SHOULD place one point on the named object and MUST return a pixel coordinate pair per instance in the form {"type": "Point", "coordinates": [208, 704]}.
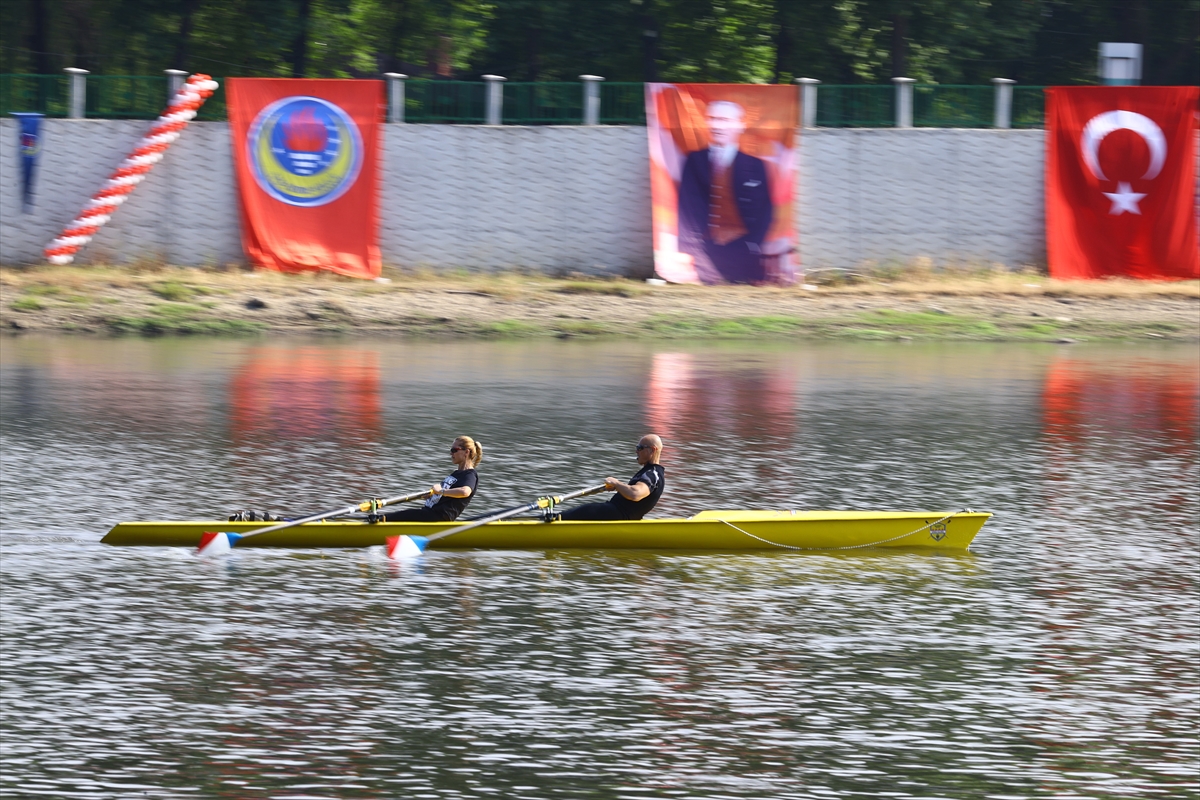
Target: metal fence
{"type": "Point", "coordinates": [953, 106]}
{"type": "Point", "coordinates": [856, 106]}
{"type": "Point", "coordinates": [545, 103]}
{"type": "Point", "coordinates": [45, 94]}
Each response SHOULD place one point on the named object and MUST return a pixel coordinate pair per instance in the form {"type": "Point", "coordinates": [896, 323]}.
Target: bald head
{"type": "Point", "coordinates": [649, 449]}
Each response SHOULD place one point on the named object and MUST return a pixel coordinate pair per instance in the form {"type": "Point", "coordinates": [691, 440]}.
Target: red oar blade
{"type": "Point", "coordinates": [402, 547]}
{"type": "Point", "coordinates": [216, 543]}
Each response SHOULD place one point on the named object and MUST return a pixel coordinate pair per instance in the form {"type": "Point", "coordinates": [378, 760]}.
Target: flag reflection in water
{"type": "Point", "coordinates": [293, 400]}
{"type": "Point", "coordinates": [707, 410]}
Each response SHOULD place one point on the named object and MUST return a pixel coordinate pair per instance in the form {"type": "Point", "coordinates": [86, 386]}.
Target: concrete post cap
{"type": "Point", "coordinates": [590, 78]}
{"type": "Point", "coordinates": [399, 76]}
{"type": "Point", "coordinates": [806, 81]}
{"type": "Point", "coordinates": [904, 80]}
{"type": "Point", "coordinates": [494, 78]}
{"type": "Point", "coordinates": [176, 71]}
{"type": "Point", "coordinates": [77, 71]}
{"type": "Point", "coordinates": [1001, 81]}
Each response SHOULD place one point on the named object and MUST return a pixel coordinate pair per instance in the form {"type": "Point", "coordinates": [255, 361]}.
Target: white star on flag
{"type": "Point", "coordinates": [1124, 199]}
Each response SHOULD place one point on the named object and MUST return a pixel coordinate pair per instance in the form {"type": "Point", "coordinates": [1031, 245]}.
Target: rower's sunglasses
{"type": "Point", "coordinates": [644, 447]}
{"type": "Point", "coordinates": [455, 449]}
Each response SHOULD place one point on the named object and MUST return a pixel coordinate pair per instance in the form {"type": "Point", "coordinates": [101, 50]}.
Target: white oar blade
{"type": "Point", "coordinates": [216, 543]}
{"type": "Point", "coordinates": [402, 547]}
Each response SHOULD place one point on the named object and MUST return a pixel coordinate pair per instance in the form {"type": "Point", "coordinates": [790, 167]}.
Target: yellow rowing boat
{"type": "Point", "coordinates": [708, 530]}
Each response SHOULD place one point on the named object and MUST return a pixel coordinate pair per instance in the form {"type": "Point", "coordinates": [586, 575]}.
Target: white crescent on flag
{"type": "Point", "coordinates": [1102, 125]}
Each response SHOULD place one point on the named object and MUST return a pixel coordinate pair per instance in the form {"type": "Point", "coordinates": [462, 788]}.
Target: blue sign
{"type": "Point", "coordinates": [304, 151]}
{"type": "Point", "coordinates": [31, 148]}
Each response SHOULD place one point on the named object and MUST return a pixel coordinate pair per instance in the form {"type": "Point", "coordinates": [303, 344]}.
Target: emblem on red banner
{"type": "Point", "coordinates": [305, 151]}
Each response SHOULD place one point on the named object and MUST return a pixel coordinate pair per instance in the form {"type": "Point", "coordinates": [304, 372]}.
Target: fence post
{"type": "Point", "coordinates": [591, 99]}
{"type": "Point", "coordinates": [175, 78]}
{"type": "Point", "coordinates": [904, 101]}
{"type": "Point", "coordinates": [1004, 94]}
{"type": "Point", "coordinates": [808, 102]}
{"type": "Point", "coordinates": [495, 98]}
{"type": "Point", "coordinates": [78, 102]}
{"type": "Point", "coordinates": [395, 95]}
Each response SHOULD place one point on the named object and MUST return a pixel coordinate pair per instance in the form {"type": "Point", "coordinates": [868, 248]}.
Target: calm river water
{"type": "Point", "coordinates": [1057, 659]}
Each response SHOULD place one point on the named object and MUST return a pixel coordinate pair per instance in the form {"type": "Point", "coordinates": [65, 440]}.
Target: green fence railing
{"type": "Point", "coordinates": [462, 102]}
{"type": "Point", "coordinates": [44, 94]}
{"type": "Point", "coordinates": [543, 103]}
{"type": "Point", "coordinates": [1029, 107]}
{"type": "Point", "coordinates": [856, 106]}
{"type": "Point", "coordinates": [622, 103]}
{"type": "Point", "coordinates": [126, 96]}
{"type": "Point", "coordinates": [937, 106]}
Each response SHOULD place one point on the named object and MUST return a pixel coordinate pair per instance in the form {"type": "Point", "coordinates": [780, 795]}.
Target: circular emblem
{"type": "Point", "coordinates": [29, 145]}
{"type": "Point", "coordinates": [304, 151]}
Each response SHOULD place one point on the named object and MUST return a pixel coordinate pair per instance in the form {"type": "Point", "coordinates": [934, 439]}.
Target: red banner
{"type": "Point", "coordinates": [1121, 182]}
{"type": "Point", "coordinates": [306, 154]}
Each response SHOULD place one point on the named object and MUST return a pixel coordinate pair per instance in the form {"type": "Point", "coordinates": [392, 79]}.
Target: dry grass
{"type": "Point", "coordinates": [916, 278]}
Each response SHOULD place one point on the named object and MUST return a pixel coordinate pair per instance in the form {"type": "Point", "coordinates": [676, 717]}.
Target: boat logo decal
{"type": "Point", "coordinates": [938, 531]}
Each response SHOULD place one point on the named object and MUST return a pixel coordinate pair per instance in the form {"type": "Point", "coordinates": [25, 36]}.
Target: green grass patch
{"type": "Point", "coordinates": [734, 328]}
{"type": "Point", "coordinates": [27, 304]}
{"type": "Point", "coordinates": [927, 323]}
{"type": "Point", "coordinates": [42, 289]}
{"type": "Point", "coordinates": [162, 326]}
{"type": "Point", "coordinates": [511, 329]}
{"type": "Point", "coordinates": [175, 290]}
{"type": "Point", "coordinates": [585, 327]}
{"type": "Point", "coordinates": [612, 288]}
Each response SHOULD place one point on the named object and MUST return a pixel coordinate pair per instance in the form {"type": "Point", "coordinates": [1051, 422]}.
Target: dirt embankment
{"type": "Point", "coordinates": [994, 306]}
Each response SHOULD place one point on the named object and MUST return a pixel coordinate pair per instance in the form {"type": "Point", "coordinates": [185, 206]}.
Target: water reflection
{"type": "Point", "coordinates": [1055, 660]}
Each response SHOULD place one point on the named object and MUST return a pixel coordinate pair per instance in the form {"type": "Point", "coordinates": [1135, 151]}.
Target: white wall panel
{"type": "Point", "coordinates": [567, 198]}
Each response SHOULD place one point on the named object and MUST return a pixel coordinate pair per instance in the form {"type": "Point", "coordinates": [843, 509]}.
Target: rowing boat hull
{"type": "Point", "coordinates": [708, 530]}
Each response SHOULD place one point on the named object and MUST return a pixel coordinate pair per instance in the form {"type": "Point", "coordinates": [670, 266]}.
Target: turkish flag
{"type": "Point", "coordinates": [1121, 181]}
{"type": "Point", "coordinates": [306, 152]}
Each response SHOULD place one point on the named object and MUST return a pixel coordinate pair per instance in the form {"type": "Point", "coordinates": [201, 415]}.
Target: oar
{"type": "Point", "coordinates": [213, 543]}
{"type": "Point", "coordinates": [407, 546]}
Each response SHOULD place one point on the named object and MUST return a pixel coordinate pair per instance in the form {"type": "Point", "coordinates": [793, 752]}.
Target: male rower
{"type": "Point", "coordinates": [632, 500]}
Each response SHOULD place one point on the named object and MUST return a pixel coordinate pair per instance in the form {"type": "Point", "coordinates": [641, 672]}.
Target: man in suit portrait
{"type": "Point", "coordinates": [724, 202]}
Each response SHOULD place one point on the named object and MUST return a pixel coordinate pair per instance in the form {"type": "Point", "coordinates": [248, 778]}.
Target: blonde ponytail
{"type": "Point", "coordinates": [474, 449]}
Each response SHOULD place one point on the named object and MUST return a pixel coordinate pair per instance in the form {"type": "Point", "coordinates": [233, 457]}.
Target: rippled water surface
{"type": "Point", "coordinates": [1057, 659]}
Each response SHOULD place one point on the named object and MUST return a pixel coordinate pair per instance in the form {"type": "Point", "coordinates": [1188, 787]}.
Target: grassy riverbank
{"type": "Point", "coordinates": [904, 304]}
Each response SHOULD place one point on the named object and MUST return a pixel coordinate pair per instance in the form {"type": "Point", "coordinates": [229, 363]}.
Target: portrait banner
{"type": "Point", "coordinates": [1121, 182]}
{"type": "Point", "coordinates": [306, 153]}
{"type": "Point", "coordinates": [722, 182]}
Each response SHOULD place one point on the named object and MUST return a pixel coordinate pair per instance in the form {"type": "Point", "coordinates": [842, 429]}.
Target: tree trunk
{"type": "Point", "coordinates": [900, 44]}
{"type": "Point", "coordinates": [649, 49]}
{"type": "Point", "coordinates": [299, 51]}
{"type": "Point", "coordinates": [185, 33]}
{"type": "Point", "coordinates": [37, 39]}
{"type": "Point", "coordinates": [783, 43]}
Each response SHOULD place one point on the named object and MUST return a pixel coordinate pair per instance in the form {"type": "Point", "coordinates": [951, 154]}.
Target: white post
{"type": "Point", "coordinates": [591, 99]}
{"type": "Point", "coordinates": [1004, 94]}
{"type": "Point", "coordinates": [175, 78]}
{"type": "Point", "coordinates": [495, 98]}
{"type": "Point", "coordinates": [395, 95]}
{"type": "Point", "coordinates": [904, 100]}
{"type": "Point", "coordinates": [78, 103]}
{"type": "Point", "coordinates": [808, 102]}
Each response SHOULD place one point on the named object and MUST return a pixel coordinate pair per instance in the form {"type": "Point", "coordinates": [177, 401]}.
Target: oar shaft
{"type": "Point", "coordinates": [541, 502]}
{"type": "Point", "coordinates": [363, 506]}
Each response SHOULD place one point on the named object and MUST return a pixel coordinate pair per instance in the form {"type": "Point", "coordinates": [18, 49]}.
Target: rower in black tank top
{"type": "Point", "coordinates": [635, 499]}
{"type": "Point", "coordinates": [451, 496]}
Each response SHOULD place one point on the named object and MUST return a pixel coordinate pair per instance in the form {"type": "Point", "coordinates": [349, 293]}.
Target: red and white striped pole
{"type": "Point", "coordinates": [132, 171]}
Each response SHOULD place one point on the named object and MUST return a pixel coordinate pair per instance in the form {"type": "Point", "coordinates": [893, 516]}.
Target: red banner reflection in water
{"type": "Point", "coordinates": [688, 400]}
{"type": "Point", "coordinates": [284, 393]}
{"type": "Point", "coordinates": [1152, 397]}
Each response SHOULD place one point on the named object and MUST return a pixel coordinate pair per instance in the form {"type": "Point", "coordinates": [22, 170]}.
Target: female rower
{"type": "Point", "coordinates": [450, 497]}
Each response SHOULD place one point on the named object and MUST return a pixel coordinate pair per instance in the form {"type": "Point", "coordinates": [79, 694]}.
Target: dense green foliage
{"type": "Point", "coordinates": [838, 41]}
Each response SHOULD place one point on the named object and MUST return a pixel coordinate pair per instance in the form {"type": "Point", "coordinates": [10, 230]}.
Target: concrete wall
{"type": "Point", "coordinates": [553, 198]}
